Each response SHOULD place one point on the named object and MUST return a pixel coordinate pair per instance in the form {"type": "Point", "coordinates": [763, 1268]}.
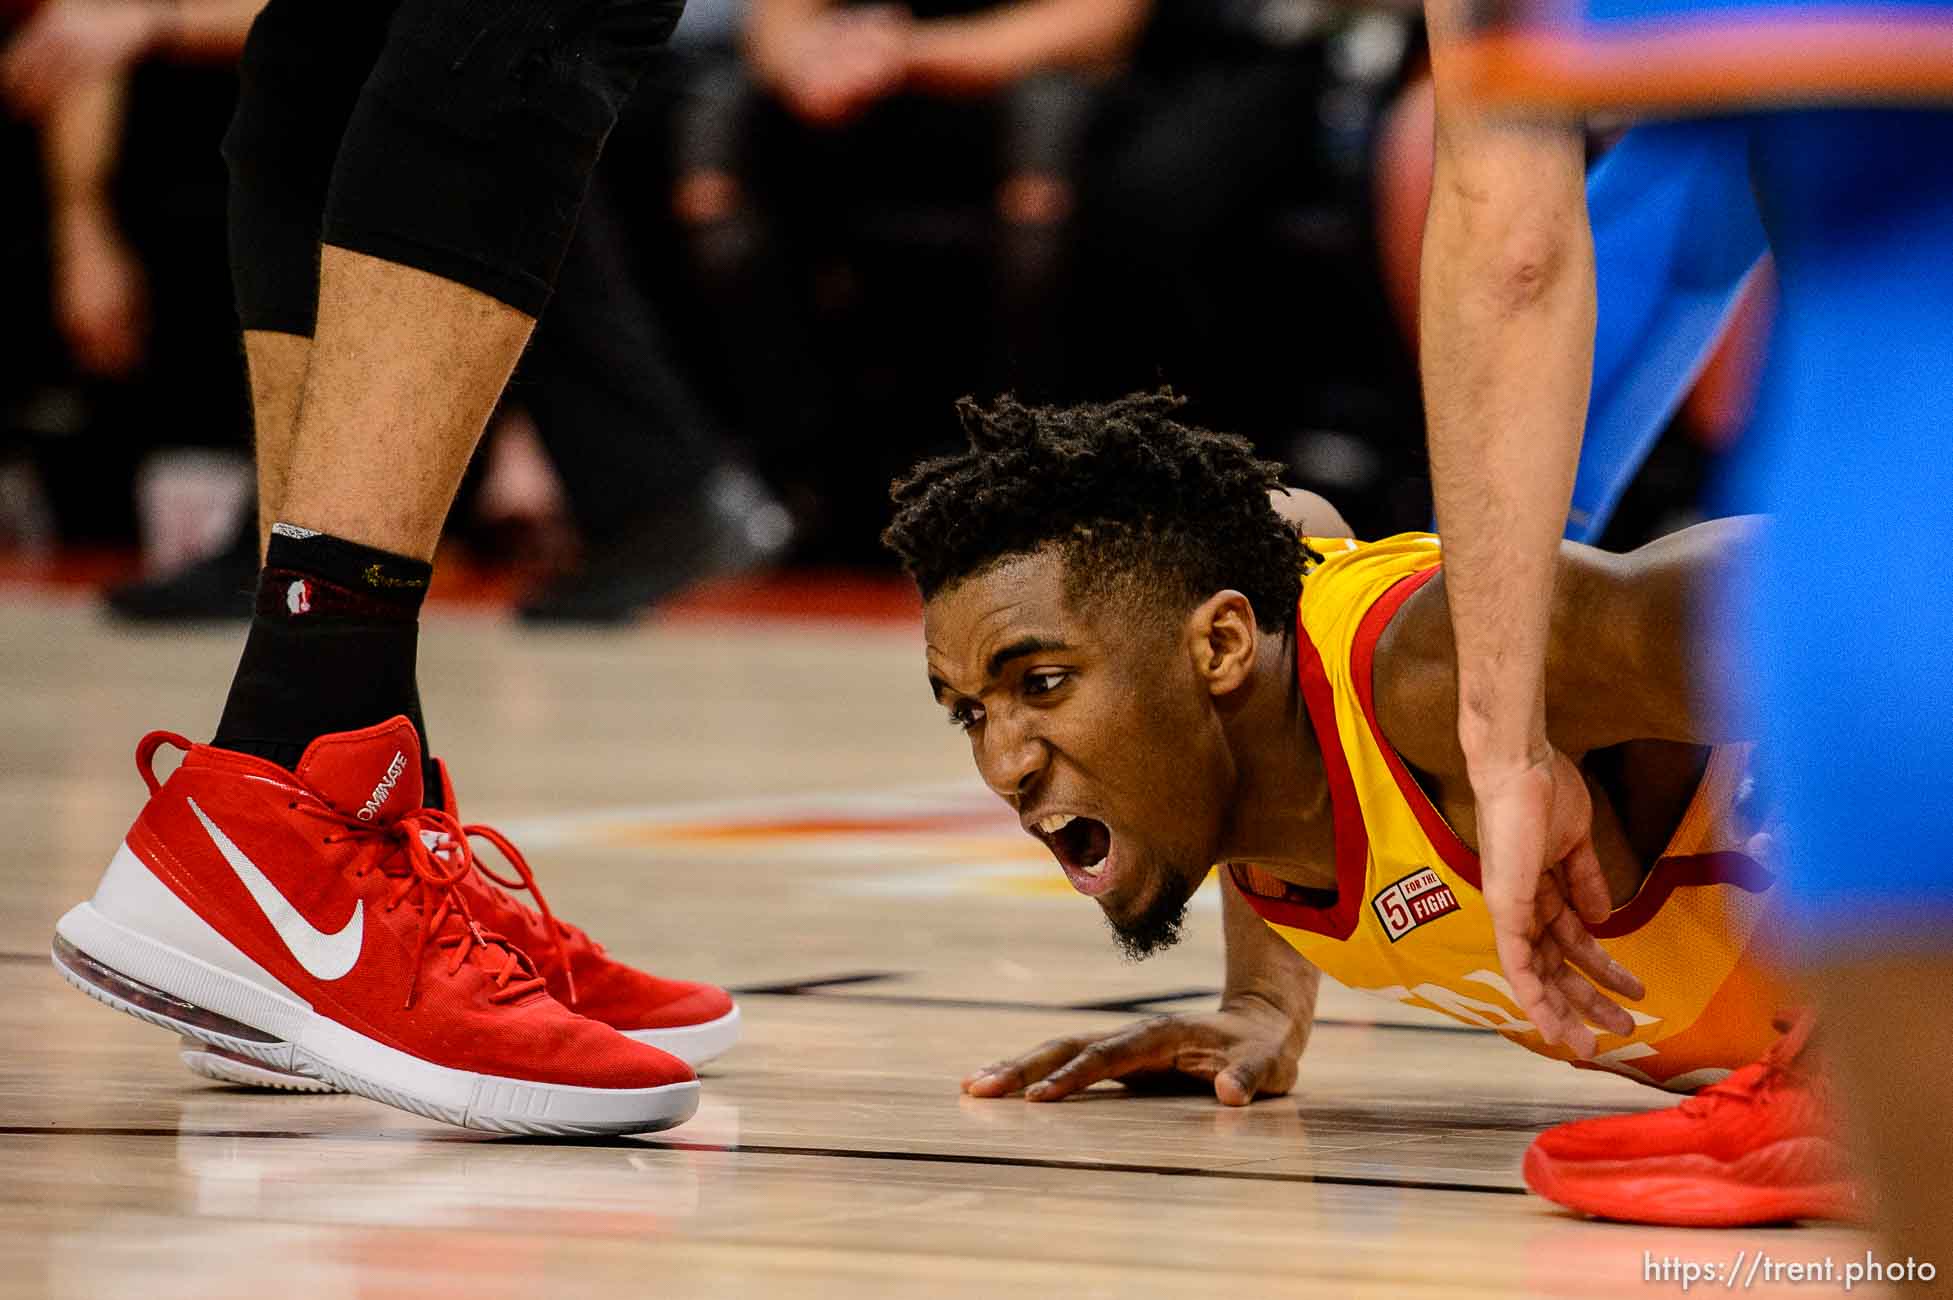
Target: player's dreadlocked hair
{"type": "Point", "coordinates": [1125, 489]}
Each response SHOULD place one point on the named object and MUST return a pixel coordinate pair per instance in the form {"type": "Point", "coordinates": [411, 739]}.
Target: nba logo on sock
{"type": "Point", "coordinates": [1417, 899]}
{"type": "Point", "coordinates": [298, 597]}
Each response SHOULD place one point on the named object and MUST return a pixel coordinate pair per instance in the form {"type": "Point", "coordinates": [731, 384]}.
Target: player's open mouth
{"type": "Point", "coordinates": [1083, 847]}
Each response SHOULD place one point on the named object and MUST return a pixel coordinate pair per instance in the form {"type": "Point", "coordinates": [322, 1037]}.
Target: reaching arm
{"type": "Point", "coordinates": [1507, 324]}
{"type": "Point", "coordinates": [1507, 321]}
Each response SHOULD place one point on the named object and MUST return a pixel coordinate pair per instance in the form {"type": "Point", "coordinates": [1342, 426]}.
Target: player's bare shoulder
{"type": "Point", "coordinates": [1631, 640]}
{"type": "Point", "coordinates": [1311, 513]}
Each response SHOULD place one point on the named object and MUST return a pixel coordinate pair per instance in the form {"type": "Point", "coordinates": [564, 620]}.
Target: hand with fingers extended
{"type": "Point", "coordinates": [1247, 1049]}
{"type": "Point", "coordinates": [1542, 883]}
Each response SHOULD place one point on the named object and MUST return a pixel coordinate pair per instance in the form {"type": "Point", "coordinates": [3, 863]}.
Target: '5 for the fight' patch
{"type": "Point", "coordinates": [1417, 899]}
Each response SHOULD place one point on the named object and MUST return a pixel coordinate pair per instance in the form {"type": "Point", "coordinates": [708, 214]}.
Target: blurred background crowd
{"type": "Point", "coordinates": [816, 227]}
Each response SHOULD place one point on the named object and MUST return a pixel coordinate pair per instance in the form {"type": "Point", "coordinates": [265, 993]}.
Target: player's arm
{"type": "Point", "coordinates": [1633, 642]}
{"type": "Point", "coordinates": [1507, 333]}
{"type": "Point", "coordinates": [1247, 1049]}
{"type": "Point", "coordinates": [1506, 336]}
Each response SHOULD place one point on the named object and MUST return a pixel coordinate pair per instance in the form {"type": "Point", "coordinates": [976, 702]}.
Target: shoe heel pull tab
{"type": "Point", "coordinates": [146, 755]}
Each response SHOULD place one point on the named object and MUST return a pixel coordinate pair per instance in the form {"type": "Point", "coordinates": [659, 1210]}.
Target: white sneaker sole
{"type": "Point", "coordinates": [178, 973]}
{"type": "Point", "coordinates": [692, 1044]}
{"type": "Point", "coordinates": [218, 1065]}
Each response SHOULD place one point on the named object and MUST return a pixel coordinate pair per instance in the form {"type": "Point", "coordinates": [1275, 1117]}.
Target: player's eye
{"type": "Point", "coordinates": [964, 716]}
{"type": "Point", "coordinates": [1045, 681]}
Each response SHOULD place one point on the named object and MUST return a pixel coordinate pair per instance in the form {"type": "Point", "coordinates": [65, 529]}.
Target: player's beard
{"type": "Point", "coordinates": [1158, 926]}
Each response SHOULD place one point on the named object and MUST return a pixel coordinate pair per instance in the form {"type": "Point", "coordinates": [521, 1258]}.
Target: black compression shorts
{"type": "Point", "coordinates": [453, 136]}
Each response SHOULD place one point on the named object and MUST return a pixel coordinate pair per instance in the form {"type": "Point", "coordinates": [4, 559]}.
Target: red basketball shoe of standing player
{"type": "Point", "coordinates": [300, 919]}
{"type": "Point", "coordinates": [694, 1022]}
{"type": "Point", "coordinates": [1759, 1147]}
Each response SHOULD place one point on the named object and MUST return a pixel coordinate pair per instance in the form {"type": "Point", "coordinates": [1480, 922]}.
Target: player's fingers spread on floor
{"type": "Point", "coordinates": [1260, 1075]}
{"type": "Point", "coordinates": [1140, 1048]}
{"type": "Point", "coordinates": [1001, 1078]}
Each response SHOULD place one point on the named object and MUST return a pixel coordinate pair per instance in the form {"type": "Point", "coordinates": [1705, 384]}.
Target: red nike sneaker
{"type": "Point", "coordinates": [694, 1022]}
{"type": "Point", "coordinates": [1759, 1147]}
{"type": "Point", "coordinates": [300, 920]}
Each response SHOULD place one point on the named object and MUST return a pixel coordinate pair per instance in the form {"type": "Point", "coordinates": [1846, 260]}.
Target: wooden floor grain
{"type": "Point", "coordinates": [776, 807]}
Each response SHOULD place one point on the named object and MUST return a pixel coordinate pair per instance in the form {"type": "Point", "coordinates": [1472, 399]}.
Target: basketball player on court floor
{"type": "Point", "coordinates": [1159, 674]}
{"type": "Point", "coordinates": [300, 894]}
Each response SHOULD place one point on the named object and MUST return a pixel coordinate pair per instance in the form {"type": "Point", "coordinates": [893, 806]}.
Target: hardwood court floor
{"type": "Point", "coordinates": [776, 806]}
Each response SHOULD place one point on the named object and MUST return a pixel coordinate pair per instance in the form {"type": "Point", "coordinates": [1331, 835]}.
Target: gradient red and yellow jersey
{"type": "Point", "coordinates": [1408, 922]}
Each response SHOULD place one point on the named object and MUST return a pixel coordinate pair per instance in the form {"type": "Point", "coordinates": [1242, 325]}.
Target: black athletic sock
{"type": "Point", "coordinates": [332, 647]}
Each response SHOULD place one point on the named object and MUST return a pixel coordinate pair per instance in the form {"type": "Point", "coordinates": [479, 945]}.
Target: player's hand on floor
{"type": "Point", "coordinates": [1542, 882]}
{"type": "Point", "coordinates": [1248, 1049]}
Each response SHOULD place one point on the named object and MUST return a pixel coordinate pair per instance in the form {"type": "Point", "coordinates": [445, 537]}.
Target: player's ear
{"type": "Point", "coordinates": [1222, 640]}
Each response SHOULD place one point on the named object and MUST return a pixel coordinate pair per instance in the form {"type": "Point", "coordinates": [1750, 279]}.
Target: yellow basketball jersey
{"type": "Point", "coordinates": [1408, 922]}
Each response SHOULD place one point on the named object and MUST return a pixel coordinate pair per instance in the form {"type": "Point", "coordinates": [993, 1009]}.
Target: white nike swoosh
{"type": "Point", "coordinates": [324, 956]}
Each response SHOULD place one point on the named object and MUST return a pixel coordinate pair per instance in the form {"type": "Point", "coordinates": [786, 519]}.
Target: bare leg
{"type": "Point", "coordinates": [1889, 1063]}
{"type": "Point", "coordinates": [277, 363]}
{"type": "Point", "coordinates": [404, 371]}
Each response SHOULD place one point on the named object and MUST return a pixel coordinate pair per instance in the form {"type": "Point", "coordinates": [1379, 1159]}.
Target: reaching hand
{"type": "Point", "coordinates": [1543, 884]}
{"type": "Point", "coordinates": [1244, 1051]}
{"type": "Point", "coordinates": [70, 42]}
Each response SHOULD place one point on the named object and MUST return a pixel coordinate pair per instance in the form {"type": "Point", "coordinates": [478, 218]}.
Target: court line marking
{"type": "Point", "coordinates": [628, 1143]}
{"type": "Point", "coordinates": [818, 987]}
{"type": "Point", "coordinates": [551, 830]}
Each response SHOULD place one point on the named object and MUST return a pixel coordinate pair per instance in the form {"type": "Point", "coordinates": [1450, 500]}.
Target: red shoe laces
{"type": "Point", "coordinates": [429, 879]}
{"type": "Point", "coordinates": [526, 880]}
{"type": "Point", "coordinates": [1779, 1065]}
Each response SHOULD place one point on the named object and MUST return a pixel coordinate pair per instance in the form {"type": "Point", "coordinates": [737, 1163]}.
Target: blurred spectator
{"type": "Point", "coordinates": [859, 212]}
{"type": "Point", "coordinates": [129, 97]}
{"type": "Point", "coordinates": [140, 287]}
{"type": "Point", "coordinates": [950, 127]}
